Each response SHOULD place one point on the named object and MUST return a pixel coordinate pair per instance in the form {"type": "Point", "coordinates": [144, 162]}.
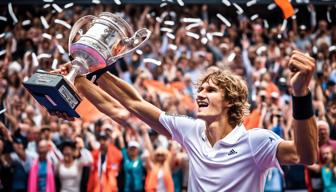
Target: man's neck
{"type": "Point", "coordinates": [218, 129]}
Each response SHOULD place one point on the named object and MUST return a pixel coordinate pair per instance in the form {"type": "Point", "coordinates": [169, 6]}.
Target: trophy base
{"type": "Point", "coordinates": [53, 92]}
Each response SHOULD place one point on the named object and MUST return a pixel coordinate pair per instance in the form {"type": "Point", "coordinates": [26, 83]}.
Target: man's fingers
{"type": "Point", "coordinates": [306, 55]}
{"type": "Point", "coordinates": [296, 65]}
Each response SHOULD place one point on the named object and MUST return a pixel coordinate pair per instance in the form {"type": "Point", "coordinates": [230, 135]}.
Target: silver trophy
{"type": "Point", "coordinates": [108, 37]}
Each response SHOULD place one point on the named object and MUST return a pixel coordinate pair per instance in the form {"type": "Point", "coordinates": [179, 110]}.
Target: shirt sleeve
{"type": "Point", "coordinates": [178, 125]}
{"type": "Point", "coordinates": [264, 144]}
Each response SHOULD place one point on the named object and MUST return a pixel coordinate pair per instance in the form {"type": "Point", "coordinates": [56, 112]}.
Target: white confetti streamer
{"type": "Point", "coordinates": [26, 22]}
{"type": "Point", "coordinates": [59, 36]}
{"type": "Point", "coordinates": [271, 6]}
{"type": "Point", "coordinates": [68, 5]}
{"type": "Point", "coordinates": [54, 64]}
{"type": "Point", "coordinates": [254, 17]}
{"type": "Point", "coordinates": [2, 52]}
{"type": "Point", "coordinates": [223, 19]}
{"type": "Point", "coordinates": [163, 4]}
{"type": "Point", "coordinates": [3, 110]}
{"type": "Point", "coordinates": [48, 1]}
{"type": "Point", "coordinates": [332, 48]}
{"type": "Point", "coordinates": [150, 60]}
{"type": "Point", "coordinates": [165, 29]}
{"type": "Point", "coordinates": [2, 18]}
{"type": "Point", "coordinates": [158, 19]}
{"type": "Point", "coordinates": [328, 16]}
{"type": "Point", "coordinates": [180, 2]}
{"type": "Point", "coordinates": [266, 25]}
{"type": "Point", "coordinates": [46, 6]}
{"type": "Point", "coordinates": [193, 35]}
{"type": "Point", "coordinates": [250, 3]}
{"type": "Point", "coordinates": [315, 49]}
{"type": "Point", "coordinates": [204, 40]}
{"type": "Point", "coordinates": [209, 36]}
{"type": "Point", "coordinates": [62, 22]}
{"type": "Point", "coordinates": [172, 46]}
{"type": "Point", "coordinates": [117, 2]}
{"type": "Point", "coordinates": [57, 8]}
{"type": "Point", "coordinates": [226, 2]}
{"type": "Point", "coordinates": [261, 49]}
{"type": "Point", "coordinates": [231, 57]}
{"type": "Point", "coordinates": [96, 1]}
{"type": "Point", "coordinates": [171, 36]}
{"type": "Point", "coordinates": [44, 22]}
{"type": "Point", "coordinates": [191, 20]}
{"type": "Point", "coordinates": [193, 25]}
{"type": "Point", "coordinates": [239, 9]}
{"type": "Point", "coordinates": [34, 60]}
{"type": "Point", "coordinates": [2, 35]}
{"type": "Point", "coordinates": [139, 52]}
{"type": "Point", "coordinates": [284, 25]}
{"type": "Point", "coordinates": [169, 23]}
{"type": "Point", "coordinates": [218, 34]}
{"type": "Point", "coordinates": [47, 36]}
{"type": "Point", "coordinates": [11, 13]}
{"type": "Point", "coordinates": [203, 31]}
{"type": "Point", "coordinates": [60, 49]}
{"type": "Point", "coordinates": [44, 55]}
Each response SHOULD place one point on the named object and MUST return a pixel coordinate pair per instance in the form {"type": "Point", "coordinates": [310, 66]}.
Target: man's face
{"type": "Point", "coordinates": [43, 149]}
{"type": "Point", "coordinates": [210, 101]}
{"type": "Point", "coordinates": [323, 132]}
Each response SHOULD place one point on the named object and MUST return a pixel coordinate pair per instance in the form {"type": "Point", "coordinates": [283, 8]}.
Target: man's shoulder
{"type": "Point", "coordinates": [257, 135]}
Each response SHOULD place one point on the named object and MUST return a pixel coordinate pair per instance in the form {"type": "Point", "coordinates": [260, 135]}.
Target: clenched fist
{"type": "Point", "coordinates": [302, 67]}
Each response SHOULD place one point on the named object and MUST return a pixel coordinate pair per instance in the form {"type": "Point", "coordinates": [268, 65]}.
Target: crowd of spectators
{"type": "Point", "coordinates": [39, 152]}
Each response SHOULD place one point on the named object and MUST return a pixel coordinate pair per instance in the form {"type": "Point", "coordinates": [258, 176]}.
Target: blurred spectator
{"type": "Point", "coordinates": [328, 169]}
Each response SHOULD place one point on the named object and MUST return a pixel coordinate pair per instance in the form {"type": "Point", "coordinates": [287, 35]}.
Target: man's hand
{"type": "Point", "coordinates": [63, 70]}
{"type": "Point", "coordinates": [302, 67]}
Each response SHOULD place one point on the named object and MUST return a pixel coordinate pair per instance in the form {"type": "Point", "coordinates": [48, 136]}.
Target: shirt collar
{"type": "Point", "coordinates": [234, 135]}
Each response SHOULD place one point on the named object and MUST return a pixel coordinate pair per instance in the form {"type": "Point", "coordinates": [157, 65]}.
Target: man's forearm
{"type": "Point", "coordinates": [305, 138]}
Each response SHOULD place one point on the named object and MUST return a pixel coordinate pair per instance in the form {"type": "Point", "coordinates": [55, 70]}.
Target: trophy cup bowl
{"type": "Point", "coordinates": [108, 37]}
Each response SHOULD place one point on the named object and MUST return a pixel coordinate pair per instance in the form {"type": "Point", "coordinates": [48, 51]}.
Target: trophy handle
{"type": "Point", "coordinates": [79, 24]}
{"type": "Point", "coordinates": [135, 41]}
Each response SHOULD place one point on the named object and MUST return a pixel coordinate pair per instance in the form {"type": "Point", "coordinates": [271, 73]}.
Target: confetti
{"type": "Point", "coordinates": [117, 2]}
{"type": "Point", "coordinates": [169, 23]}
{"type": "Point", "coordinates": [204, 40]}
{"type": "Point", "coordinates": [193, 35]}
{"type": "Point", "coordinates": [172, 46]}
{"type": "Point", "coordinates": [217, 34]}
{"type": "Point", "coordinates": [332, 48]}
{"type": "Point", "coordinates": [54, 64]}
{"type": "Point", "coordinates": [171, 36]}
{"type": "Point", "coordinates": [328, 16]}
{"type": "Point", "coordinates": [266, 25]}
{"type": "Point", "coordinates": [226, 2]}
{"type": "Point", "coordinates": [223, 19]}
{"type": "Point", "coordinates": [150, 60]}
{"type": "Point", "coordinates": [261, 49]}
{"type": "Point", "coordinates": [44, 22]}
{"type": "Point", "coordinates": [2, 35]}
{"type": "Point", "coordinates": [209, 36]}
{"type": "Point", "coordinates": [48, 1]}
{"type": "Point", "coordinates": [231, 57]}
{"type": "Point", "coordinates": [163, 4]}
{"type": "Point", "coordinates": [158, 19]}
{"type": "Point", "coordinates": [96, 1]}
{"type": "Point", "coordinates": [239, 9]}
{"type": "Point", "coordinates": [62, 22]}
{"type": "Point", "coordinates": [203, 31]}
{"type": "Point", "coordinates": [60, 49]}
{"type": "Point", "coordinates": [180, 2]}
{"type": "Point", "coordinates": [315, 49]}
{"type": "Point", "coordinates": [250, 3]}
{"type": "Point", "coordinates": [2, 18]}
{"type": "Point", "coordinates": [286, 8]}
{"type": "Point", "coordinates": [284, 25]}
{"type": "Point", "coordinates": [271, 6]}
{"type": "Point", "coordinates": [193, 25]}
{"type": "Point", "coordinates": [26, 22]}
{"type": "Point", "coordinates": [34, 60]}
{"type": "Point", "coordinates": [191, 20]}
{"type": "Point", "coordinates": [46, 6]}
{"type": "Point", "coordinates": [47, 36]}
{"type": "Point", "coordinates": [44, 55]}
{"type": "Point", "coordinates": [139, 52]}
{"type": "Point", "coordinates": [68, 5]}
{"type": "Point", "coordinates": [2, 52]}
{"type": "Point", "coordinates": [165, 29]}
{"type": "Point", "coordinates": [11, 13]}
{"type": "Point", "coordinates": [57, 8]}
{"type": "Point", "coordinates": [59, 36]}
{"type": "Point", "coordinates": [254, 17]}
{"type": "Point", "coordinates": [3, 111]}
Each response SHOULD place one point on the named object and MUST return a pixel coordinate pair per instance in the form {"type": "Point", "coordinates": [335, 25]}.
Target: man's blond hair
{"type": "Point", "coordinates": [235, 92]}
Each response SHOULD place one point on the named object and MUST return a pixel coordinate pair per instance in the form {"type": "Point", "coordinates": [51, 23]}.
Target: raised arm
{"type": "Point", "coordinates": [103, 101]}
{"type": "Point", "coordinates": [132, 100]}
{"type": "Point", "coordinates": [304, 147]}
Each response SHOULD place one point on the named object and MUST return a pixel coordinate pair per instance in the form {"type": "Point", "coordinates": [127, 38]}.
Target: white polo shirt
{"type": "Point", "coordinates": [238, 162]}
